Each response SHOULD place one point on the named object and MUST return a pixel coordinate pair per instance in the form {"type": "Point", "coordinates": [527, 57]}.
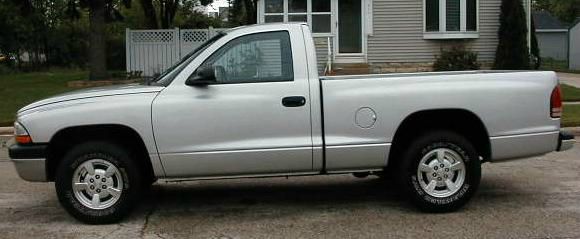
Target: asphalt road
{"type": "Point", "coordinates": [533, 198]}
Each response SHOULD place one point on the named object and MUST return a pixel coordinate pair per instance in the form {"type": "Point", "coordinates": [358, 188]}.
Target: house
{"type": "Point", "coordinates": [574, 45]}
{"type": "Point", "coordinates": [392, 35]}
{"type": "Point", "coordinates": [552, 36]}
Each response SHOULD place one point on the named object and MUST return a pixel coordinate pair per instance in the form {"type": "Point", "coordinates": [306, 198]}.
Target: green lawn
{"type": "Point", "coordinates": [556, 65]}
{"type": "Point", "coordinates": [571, 116]}
{"type": "Point", "coordinates": [18, 90]}
{"type": "Point", "coordinates": [570, 93]}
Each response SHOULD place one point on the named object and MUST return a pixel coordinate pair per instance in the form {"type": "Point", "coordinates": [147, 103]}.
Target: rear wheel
{"type": "Point", "coordinates": [98, 182]}
{"type": "Point", "coordinates": [440, 171]}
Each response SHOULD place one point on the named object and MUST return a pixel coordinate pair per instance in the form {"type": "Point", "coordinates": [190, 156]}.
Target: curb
{"type": "Point", "coordinates": [574, 130]}
{"type": "Point", "coordinates": [6, 131]}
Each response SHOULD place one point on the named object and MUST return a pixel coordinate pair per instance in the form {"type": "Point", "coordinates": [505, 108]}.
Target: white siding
{"type": "Point", "coordinates": [398, 33]}
{"type": "Point", "coordinates": [553, 45]}
{"type": "Point", "coordinates": [321, 45]}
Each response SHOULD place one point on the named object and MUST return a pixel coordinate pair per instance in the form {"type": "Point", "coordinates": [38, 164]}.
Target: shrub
{"type": "Point", "coordinates": [512, 51]}
{"type": "Point", "coordinates": [5, 70]}
{"type": "Point", "coordinates": [456, 59]}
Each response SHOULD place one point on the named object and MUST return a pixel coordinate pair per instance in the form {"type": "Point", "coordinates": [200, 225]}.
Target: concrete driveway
{"type": "Point", "coordinates": [533, 198]}
{"type": "Point", "coordinates": [570, 79]}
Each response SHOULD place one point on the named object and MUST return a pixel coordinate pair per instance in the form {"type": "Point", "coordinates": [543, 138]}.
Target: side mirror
{"type": "Point", "coordinates": [203, 76]}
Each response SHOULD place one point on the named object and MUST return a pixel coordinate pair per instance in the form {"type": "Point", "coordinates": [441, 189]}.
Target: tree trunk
{"type": "Point", "coordinates": [150, 15]}
{"type": "Point", "coordinates": [97, 44]}
{"type": "Point", "coordinates": [250, 12]}
{"type": "Point", "coordinates": [168, 10]}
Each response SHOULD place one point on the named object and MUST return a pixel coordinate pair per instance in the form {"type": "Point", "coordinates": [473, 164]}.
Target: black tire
{"type": "Point", "coordinates": [113, 154]}
{"type": "Point", "coordinates": [408, 178]}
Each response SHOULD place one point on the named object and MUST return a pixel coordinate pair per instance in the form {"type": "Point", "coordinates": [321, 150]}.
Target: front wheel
{"type": "Point", "coordinates": [97, 182]}
{"type": "Point", "coordinates": [440, 171]}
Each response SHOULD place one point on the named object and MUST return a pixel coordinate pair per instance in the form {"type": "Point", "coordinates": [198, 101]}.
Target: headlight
{"type": "Point", "coordinates": [21, 134]}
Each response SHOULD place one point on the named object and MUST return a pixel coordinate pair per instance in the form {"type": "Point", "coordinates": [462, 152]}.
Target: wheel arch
{"type": "Point", "coordinates": [67, 138]}
{"type": "Point", "coordinates": [461, 121]}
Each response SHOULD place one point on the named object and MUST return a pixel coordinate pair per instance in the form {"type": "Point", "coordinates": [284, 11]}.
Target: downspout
{"type": "Point", "coordinates": [529, 19]}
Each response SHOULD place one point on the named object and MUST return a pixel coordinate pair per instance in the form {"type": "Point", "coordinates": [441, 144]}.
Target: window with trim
{"type": "Point", "coordinates": [317, 13]}
{"type": "Point", "coordinates": [450, 16]}
{"type": "Point", "coordinates": [260, 57]}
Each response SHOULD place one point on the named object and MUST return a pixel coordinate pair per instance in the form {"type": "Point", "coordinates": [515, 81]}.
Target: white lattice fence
{"type": "Point", "coordinates": [152, 51]}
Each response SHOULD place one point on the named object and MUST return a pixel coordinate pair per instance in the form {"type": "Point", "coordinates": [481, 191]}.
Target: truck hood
{"type": "Point", "coordinates": [94, 92]}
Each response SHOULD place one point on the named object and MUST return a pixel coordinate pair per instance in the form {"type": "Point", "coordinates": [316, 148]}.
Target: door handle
{"type": "Point", "coordinates": [293, 101]}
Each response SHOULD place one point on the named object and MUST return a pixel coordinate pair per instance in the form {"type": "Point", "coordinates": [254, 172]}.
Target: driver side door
{"type": "Point", "coordinates": [241, 124]}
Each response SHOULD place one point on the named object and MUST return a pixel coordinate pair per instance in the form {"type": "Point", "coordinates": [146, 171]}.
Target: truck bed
{"type": "Point", "coordinates": [511, 104]}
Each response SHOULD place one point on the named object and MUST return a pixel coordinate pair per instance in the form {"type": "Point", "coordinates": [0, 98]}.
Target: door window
{"type": "Point", "coordinates": [261, 57]}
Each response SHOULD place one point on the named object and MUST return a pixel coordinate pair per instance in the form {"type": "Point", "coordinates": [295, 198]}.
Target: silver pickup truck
{"type": "Point", "coordinates": [249, 103]}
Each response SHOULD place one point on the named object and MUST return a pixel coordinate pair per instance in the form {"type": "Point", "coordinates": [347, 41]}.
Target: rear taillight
{"type": "Point", "coordinates": [556, 103]}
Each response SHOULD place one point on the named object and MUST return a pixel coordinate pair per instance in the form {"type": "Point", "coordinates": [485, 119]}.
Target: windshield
{"type": "Point", "coordinates": [168, 75]}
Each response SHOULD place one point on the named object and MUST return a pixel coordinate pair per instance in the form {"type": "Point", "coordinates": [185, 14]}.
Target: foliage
{"type": "Point", "coordinates": [57, 33]}
{"type": "Point", "coordinates": [242, 12]}
{"type": "Point", "coordinates": [512, 51]}
{"type": "Point", "coordinates": [163, 13]}
{"type": "Point", "coordinates": [100, 13]}
{"type": "Point", "coordinates": [566, 10]}
{"type": "Point", "coordinates": [456, 59]}
{"type": "Point", "coordinates": [197, 20]}
{"type": "Point", "coordinates": [25, 30]}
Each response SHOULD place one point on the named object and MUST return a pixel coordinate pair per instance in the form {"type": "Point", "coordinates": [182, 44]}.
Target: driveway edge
{"type": "Point", "coordinates": [574, 130]}
{"type": "Point", "coordinates": [6, 131]}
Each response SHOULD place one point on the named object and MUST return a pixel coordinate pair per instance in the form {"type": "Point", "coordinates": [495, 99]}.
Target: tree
{"type": "Point", "coordinates": [26, 27]}
{"type": "Point", "coordinates": [512, 51]}
{"type": "Point", "coordinates": [100, 12]}
{"type": "Point", "coordinates": [150, 15]}
{"type": "Point", "coordinates": [196, 20]}
{"type": "Point", "coordinates": [566, 10]}
{"type": "Point", "coordinates": [166, 11]}
{"type": "Point", "coordinates": [243, 12]}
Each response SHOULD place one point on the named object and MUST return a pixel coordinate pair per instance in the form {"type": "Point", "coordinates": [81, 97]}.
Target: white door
{"type": "Point", "coordinates": [254, 120]}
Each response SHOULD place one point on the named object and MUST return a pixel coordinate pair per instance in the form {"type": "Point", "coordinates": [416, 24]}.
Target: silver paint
{"type": "Point", "coordinates": [243, 130]}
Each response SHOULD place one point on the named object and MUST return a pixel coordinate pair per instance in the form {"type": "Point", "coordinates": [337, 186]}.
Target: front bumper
{"type": "Point", "coordinates": [565, 141]}
{"type": "Point", "coordinates": [29, 161]}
